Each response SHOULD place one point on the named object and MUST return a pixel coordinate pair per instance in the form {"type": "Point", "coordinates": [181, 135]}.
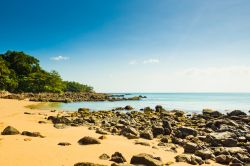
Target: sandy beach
{"type": "Point", "coordinates": [16, 151]}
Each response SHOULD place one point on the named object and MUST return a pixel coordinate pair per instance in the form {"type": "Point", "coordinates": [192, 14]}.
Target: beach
{"type": "Point", "coordinates": [45, 151]}
{"type": "Point", "coordinates": [187, 146]}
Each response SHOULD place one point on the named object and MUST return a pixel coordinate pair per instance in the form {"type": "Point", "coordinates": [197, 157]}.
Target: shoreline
{"type": "Point", "coordinates": [27, 150]}
{"type": "Point", "coordinates": [45, 151]}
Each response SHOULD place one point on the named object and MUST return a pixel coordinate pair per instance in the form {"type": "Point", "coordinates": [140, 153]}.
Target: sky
{"type": "Point", "coordinates": [135, 45]}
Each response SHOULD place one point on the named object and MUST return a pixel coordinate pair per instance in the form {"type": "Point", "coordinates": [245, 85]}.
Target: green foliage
{"type": "Point", "coordinates": [20, 72]}
{"type": "Point", "coordinates": [7, 77]}
{"type": "Point", "coordinates": [72, 86]}
{"type": "Point", "coordinates": [21, 63]}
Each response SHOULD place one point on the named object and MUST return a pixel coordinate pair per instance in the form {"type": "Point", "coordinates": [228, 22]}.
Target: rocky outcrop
{"type": "Point", "coordinates": [203, 136]}
{"type": "Point", "coordinates": [66, 97]}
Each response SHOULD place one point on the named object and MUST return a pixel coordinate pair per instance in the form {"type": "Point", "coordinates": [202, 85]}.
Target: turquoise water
{"type": "Point", "coordinates": [189, 102]}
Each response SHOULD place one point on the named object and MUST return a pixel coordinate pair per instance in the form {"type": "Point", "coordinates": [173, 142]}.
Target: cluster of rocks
{"type": "Point", "coordinates": [128, 108]}
{"type": "Point", "coordinates": [66, 97]}
{"type": "Point", "coordinates": [118, 158]}
{"type": "Point", "coordinates": [207, 136]}
{"type": "Point", "coordinates": [9, 130]}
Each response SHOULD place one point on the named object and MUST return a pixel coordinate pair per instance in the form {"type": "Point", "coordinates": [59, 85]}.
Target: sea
{"type": "Point", "coordinates": [188, 102]}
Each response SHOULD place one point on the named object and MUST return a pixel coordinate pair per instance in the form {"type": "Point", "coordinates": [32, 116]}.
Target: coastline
{"type": "Point", "coordinates": [45, 151]}
{"type": "Point", "coordinates": [25, 150]}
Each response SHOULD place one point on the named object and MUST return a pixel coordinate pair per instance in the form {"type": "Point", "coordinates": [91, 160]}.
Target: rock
{"type": "Point", "coordinates": [142, 143]}
{"type": "Point", "coordinates": [83, 110]}
{"type": "Point", "coordinates": [248, 137]}
{"type": "Point", "coordinates": [147, 110]}
{"type": "Point", "coordinates": [237, 113]}
{"type": "Point", "coordinates": [158, 108]}
{"type": "Point", "coordinates": [196, 160]}
{"type": "Point", "coordinates": [130, 132]}
{"type": "Point", "coordinates": [167, 127]}
{"type": "Point", "coordinates": [190, 147]}
{"type": "Point", "coordinates": [118, 158]}
{"type": "Point", "coordinates": [182, 132]}
{"type": "Point", "coordinates": [27, 139]}
{"type": "Point", "coordinates": [178, 113]}
{"type": "Point", "coordinates": [64, 143]}
{"type": "Point", "coordinates": [60, 126]}
{"type": "Point", "coordinates": [87, 164]}
{"type": "Point", "coordinates": [102, 137]}
{"type": "Point", "coordinates": [104, 156]}
{"type": "Point", "coordinates": [88, 140]}
{"type": "Point", "coordinates": [212, 113]}
{"type": "Point", "coordinates": [204, 154]}
{"type": "Point", "coordinates": [27, 113]}
{"type": "Point", "coordinates": [164, 139]}
{"type": "Point", "coordinates": [183, 158]}
{"type": "Point", "coordinates": [223, 159]}
{"type": "Point", "coordinates": [191, 159]}
{"type": "Point", "coordinates": [32, 134]}
{"type": "Point", "coordinates": [101, 131]}
{"type": "Point", "coordinates": [226, 138]}
{"type": "Point", "coordinates": [147, 135]}
{"type": "Point", "coordinates": [10, 131]}
{"type": "Point", "coordinates": [158, 130]}
{"type": "Point", "coordinates": [128, 107]}
{"type": "Point", "coordinates": [57, 120]}
{"type": "Point", "coordinates": [42, 122]}
{"type": "Point", "coordinates": [145, 159]}
{"type": "Point", "coordinates": [243, 157]}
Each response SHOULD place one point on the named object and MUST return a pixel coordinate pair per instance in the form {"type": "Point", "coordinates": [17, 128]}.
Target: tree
{"type": "Point", "coordinates": [72, 86]}
{"type": "Point", "coordinates": [21, 63]}
{"type": "Point", "coordinates": [20, 72]}
{"type": "Point", "coordinates": [7, 77]}
{"type": "Point", "coordinates": [42, 81]}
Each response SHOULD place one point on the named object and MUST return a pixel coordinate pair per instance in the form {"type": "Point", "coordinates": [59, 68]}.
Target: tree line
{"type": "Point", "coordinates": [20, 72]}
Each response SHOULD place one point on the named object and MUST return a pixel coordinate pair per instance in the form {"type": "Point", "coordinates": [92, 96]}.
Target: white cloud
{"type": "Point", "coordinates": [59, 58]}
{"type": "Point", "coordinates": [151, 61]}
{"type": "Point", "coordinates": [133, 62]}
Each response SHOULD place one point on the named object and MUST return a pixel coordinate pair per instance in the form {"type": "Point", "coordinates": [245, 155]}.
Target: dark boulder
{"type": "Point", "coordinates": [227, 139]}
{"type": "Point", "coordinates": [57, 120]}
{"type": "Point", "coordinates": [10, 131]}
{"type": "Point", "coordinates": [128, 107]}
{"type": "Point", "coordinates": [204, 154]}
{"type": "Point", "coordinates": [223, 159]}
{"type": "Point", "coordinates": [147, 135]}
{"type": "Point", "coordinates": [237, 113]}
{"type": "Point", "coordinates": [159, 108]}
{"type": "Point", "coordinates": [32, 134]}
{"type": "Point", "coordinates": [130, 132]}
{"type": "Point", "coordinates": [158, 130]}
{"type": "Point", "coordinates": [211, 113]}
{"type": "Point", "coordinates": [182, 132]}
{"type": "Point", "coordinates": [167, 127]}
{"type": "Point", "coordinates": [190, 147]}
{"type": "Point", "coordinates": [118, 158]}
{"type": "Point", "coordinates": [145, 159]}
{"type": "Point", "coordinates": [88, 140]}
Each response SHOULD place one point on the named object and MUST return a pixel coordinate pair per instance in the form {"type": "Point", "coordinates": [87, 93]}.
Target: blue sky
{"type": "Point", "coordinates": [135, 45]}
